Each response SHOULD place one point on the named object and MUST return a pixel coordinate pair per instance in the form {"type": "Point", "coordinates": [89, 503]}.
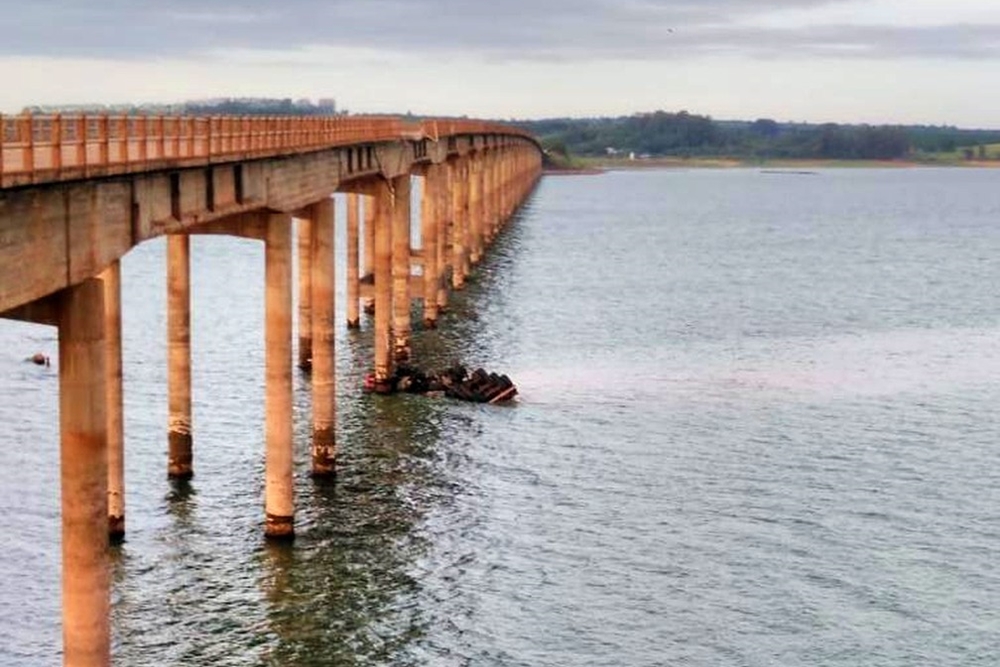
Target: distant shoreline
{"type": "Point", "coordinates": [573, 171]}
{"type": "Point", "coordinates": [589, 166]}
{"type": "Point", "coordinates": [602, 164]}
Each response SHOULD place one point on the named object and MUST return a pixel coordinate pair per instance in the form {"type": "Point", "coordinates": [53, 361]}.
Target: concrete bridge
{"type": "Point", "coordinates": [78, 192]}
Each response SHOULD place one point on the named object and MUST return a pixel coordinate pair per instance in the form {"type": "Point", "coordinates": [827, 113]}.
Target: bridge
{"type": "Point", "coordinates": [78, 192]}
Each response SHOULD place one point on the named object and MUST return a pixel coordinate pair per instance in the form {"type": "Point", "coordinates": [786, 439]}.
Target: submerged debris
{"type": "Point", "coordinates": [456, 382]}
{"type": "Point", "coordinates": [38, 359]}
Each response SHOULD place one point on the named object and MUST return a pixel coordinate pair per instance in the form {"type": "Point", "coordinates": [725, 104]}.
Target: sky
{"type": "Point", "coordinates": [872, 61]}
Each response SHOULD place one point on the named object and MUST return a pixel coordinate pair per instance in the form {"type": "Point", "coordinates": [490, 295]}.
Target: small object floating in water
{"type": "Point", "coordinates": [39, 359]}
{"type": "Point", "coordinates": [455, 382]}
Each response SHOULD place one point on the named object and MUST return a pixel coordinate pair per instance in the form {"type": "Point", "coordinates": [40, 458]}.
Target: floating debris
{"type": "Point", "coordinates": [456, 382]}
{"type": "Point", "coordinates": [39, 359]}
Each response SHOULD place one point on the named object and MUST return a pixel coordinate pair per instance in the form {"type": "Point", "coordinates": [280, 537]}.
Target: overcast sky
{"type": "Point", "coordinates": [907, 61]}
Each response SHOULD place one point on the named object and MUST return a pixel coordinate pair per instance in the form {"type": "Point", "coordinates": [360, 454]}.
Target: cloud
{"type": "Point", "coordinates": [522, 30]}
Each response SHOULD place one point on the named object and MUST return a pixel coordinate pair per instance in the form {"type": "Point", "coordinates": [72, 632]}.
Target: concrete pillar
{"type": "Point", "coordinates": [498, 214]}
{"type": "Point", "coordinates": [503, 189]}
{"type": "Point", "coordinates": [279, 503]}
{"type": "Point", "coordinates": [489, 214]}
{"type": "Point", "coordinates": [353, 287]}
{"type": "Point", "coordinates": [111, 279]}
{"type": "Point", "coordinates": [324, 378]}
{"type": "Point", "coordinates": [512, 192]}
{"type": "Point", "coordinates": [475, 209]}
{"type": "Point", "coordinates": [382, 225]}
{"type": "Point", "coordinates": [467, 214]}
{"type": "Point", "coordinates": [83, 476]}
{"type": "Point", "coordinates": [444, 216]}
{"type": "Point", "coordinates": [486, 228]}
{"type": "Point", "coordinates": [304, 231]}
{"type": "Point", "coordinates": [401, 268]}
{"type": "Point", "coordinates": [368, 269]}
{"type": "Point", "coordinates": [460, 227]}
{"type": "Point", "coordinates": [429, 221]}
{"type": "Point", "coordinates": [498, 168]}
{"type": "Point", "coordinates": [180, 462]}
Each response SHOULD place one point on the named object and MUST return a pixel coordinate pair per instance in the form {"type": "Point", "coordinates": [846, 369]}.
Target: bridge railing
{"type": "Point", "coordinates": [38, 149]}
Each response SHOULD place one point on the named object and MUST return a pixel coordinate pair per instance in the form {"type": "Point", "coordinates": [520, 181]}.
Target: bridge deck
{"type": "Point", "coordinates": [45, 149]}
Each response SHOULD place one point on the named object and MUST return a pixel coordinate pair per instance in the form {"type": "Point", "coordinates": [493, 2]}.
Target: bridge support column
{"type": "Point", "coordinates": [382, 226]}
{"type": "Point", "coordinates": [180, 462]}
{"type": "Point", "coordinates": [503, 190]}
{"type": "Point", "coordinates": [401, 268]}
{"type": "Point", "coordinates": [512, 193]}
{"type": "Point", "coordinates": [304, 231]}
{"type": "Point", "coordinates": [444, 217]}
{"type": "Point", "coordinates": [497, 197]}
{"type": "Point", "coordinates": [460, 224]}
{"type": "Point", "coordinates": [279, 503]}
{"type": "Point", "coordinates": [324, 379]}
{"type": "Point", "coordinates": [489, 198]}
{"type": "Point", "coordinates": [353, 286]}
{"type": "Point", "coordinates": [489, 159]}
{"type": "Point", "coordinates": [368, 270]}
{"type": "Point", "coordinates": [83, 475]}
{"type": "Point", "coordinates": [429, 222]}
{"type": "Point", "coordinates": [475, 208]}
{"type": "Point", "coordinates": [111, 279]}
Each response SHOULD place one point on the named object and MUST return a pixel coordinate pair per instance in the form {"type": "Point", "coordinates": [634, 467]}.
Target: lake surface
{"type": "Point", "coordinates": [757, 426]}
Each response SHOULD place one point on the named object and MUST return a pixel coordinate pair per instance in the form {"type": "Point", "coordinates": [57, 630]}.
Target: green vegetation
{"type": "Point", "coordinates": [557, 157]}
{"type": "Point", "coordinates": [238, 106]}
{"type": "Point", "coordinates": [683, 135]}
{"type": "Point", "coordinates": [978, 152]}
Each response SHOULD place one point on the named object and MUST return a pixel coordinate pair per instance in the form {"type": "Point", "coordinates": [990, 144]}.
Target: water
{"type": "Point", "coordinates": [757, 426]}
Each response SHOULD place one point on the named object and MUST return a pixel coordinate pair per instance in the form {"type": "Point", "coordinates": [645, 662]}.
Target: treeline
{"type": "Point", "coordinates": [261, 106]}
{"type": "Point", "coordinates": [235, 106]}
{"type": "Point", "coordinates": [683, 134]}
